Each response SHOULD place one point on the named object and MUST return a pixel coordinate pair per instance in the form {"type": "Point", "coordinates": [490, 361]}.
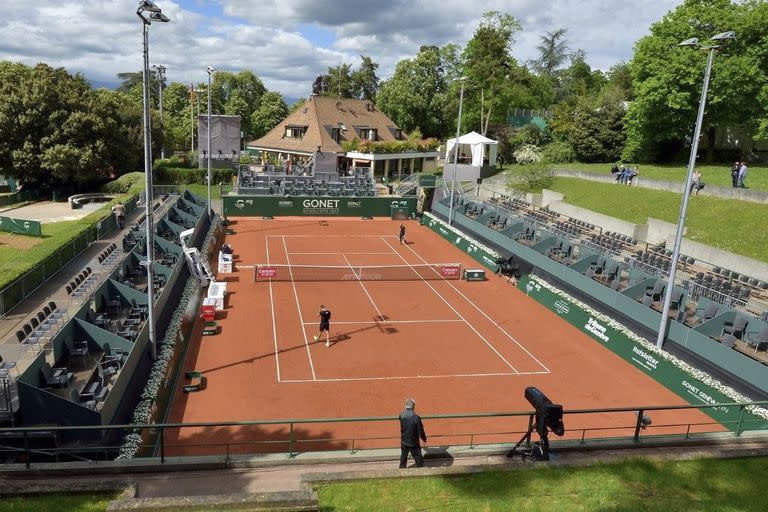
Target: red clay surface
{"type": "Point", "coordinates": [454, 346]}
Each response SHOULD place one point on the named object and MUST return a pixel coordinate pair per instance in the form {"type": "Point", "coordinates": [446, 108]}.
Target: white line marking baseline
{"type": "Point", "coordinates": [386, 322]}
{"type": "Point", "coordinates": [405, 377]}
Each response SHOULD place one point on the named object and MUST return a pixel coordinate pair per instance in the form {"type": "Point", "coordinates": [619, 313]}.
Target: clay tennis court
{"type": "Point", "coordinates": [455, 346]}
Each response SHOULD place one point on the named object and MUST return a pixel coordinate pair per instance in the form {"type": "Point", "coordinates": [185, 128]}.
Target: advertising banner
{"type": "Point", "coordinates": [20, 226]}
{"type": "Point", "coordinates": [482, 254]}
{"type": "Point", "coordinates": [277, 206]}
{"type": "Point", "coordinates": [662, 369]}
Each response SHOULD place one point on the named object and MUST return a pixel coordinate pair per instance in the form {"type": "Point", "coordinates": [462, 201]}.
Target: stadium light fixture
{"type": "Point", "coordinates": [211, 70]}
{"type": "Point", "coordinates": [462, 80]}
{"type": "Point", "coordinates": [154, 14]}
{"type": "Point", "coordinates": [160, 86]}
{"type": "Point", "coordinates": [690, 43]}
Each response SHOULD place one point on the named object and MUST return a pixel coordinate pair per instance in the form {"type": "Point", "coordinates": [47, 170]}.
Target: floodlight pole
{"type": "Point", "coordinates": [192, 116]}
{"type": "Point", "coordinates": [684, 205]}
{"type": "Point", "coordinates": [456, 150]}
{"type": "Point", "coordinates": [152, 12]}
{"type": "Point", "coordinates": [160, 81]}
{"type": "Point", "coordinates": [210, 70]}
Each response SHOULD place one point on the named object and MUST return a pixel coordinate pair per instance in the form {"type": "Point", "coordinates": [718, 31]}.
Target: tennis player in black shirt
{"type": "Point", "coordinates": [325, 325]}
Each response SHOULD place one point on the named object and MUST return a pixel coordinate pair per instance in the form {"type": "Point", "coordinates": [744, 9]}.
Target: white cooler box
{"type": "Point", "coordinates": [217, 292]}
{"type": "Point", "coordinates": [225, 263]}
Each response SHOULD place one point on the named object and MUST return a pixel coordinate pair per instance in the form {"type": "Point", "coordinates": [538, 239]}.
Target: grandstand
{"type": "Point", "coordinates": [635, 269]}
{"type": "Point", "coordinates": [274, 180]}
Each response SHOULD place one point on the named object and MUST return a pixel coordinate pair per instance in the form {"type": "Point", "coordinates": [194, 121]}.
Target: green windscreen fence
{"type": "Point", "coordinates": [20, 226]}
{"type": "Point", "coordinates": [278, 206]}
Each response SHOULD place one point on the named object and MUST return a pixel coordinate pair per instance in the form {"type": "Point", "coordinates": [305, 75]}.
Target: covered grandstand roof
{"type": "Point", "coordinates": [320, 118]}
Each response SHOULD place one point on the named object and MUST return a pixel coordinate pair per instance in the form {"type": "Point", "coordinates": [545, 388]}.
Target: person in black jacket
{"type": "Point", "coordinates": [411, 430]}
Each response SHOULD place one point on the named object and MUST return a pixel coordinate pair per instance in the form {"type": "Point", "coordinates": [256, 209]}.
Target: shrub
{"type": "Point", "coordinates": [178, 161]}
{"type": "Point", "coordinates": [530, 177]}
{"type": "Point", "coordinates": [392, 146]}
{"type": "Point", "coordinates": [131, 182]}
{"type": "Point", "coordinates": [180, 176]}
{"type": "Point", "coordinates": [527, 154]}
{"type": "Point", "coordinates": [558, 153]}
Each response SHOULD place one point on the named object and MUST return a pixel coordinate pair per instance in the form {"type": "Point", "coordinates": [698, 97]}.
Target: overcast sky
{"type": "Point", "coordinates": [287, 43]}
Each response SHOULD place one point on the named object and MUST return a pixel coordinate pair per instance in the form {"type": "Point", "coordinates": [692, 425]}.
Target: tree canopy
{"type": "Point", "coordinates": [415, 96]}
{"type": "Point", "coordinates": [58, 133]}
{"type": "Point", "coordinates": [667, 78]}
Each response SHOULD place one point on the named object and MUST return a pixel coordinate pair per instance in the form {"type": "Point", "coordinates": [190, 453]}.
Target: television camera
{"type": "Point", "coordinates": [548, 416]}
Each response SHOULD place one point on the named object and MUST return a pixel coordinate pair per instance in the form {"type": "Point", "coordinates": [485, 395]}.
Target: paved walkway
{"type": "Point", "coordinates": [294, 477]}
{"type": "Point", "coordinates": [497, 183]}
{"type": "Point", "coordinates": [51, 211]}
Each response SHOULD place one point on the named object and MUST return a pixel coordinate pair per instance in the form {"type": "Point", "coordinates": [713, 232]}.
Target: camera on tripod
{"type": "Point", "coordinates": [548, 416]}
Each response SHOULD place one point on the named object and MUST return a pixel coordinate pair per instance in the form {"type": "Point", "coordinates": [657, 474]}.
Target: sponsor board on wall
{"type": "Point", "coordinates": [662, 370]}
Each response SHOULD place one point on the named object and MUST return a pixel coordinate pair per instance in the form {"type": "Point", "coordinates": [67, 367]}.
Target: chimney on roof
{"type": "Point", "coordinates": [369, 106]}
{"type": "Point", "coordinates": [338, 105]}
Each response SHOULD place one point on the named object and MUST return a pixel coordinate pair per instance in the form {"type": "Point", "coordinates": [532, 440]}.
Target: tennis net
{"type": "Point", "coordinates": [421, 272]}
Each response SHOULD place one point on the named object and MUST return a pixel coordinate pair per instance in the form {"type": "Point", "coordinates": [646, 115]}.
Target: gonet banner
{"type": "Point", "coordinates": [278, 206]}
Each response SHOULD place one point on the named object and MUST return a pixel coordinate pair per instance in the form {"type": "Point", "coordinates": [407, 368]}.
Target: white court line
{"type": "Point", "coordinates": [323, 235]}
{"type": "Point", "coordinates": [298, 307]}
{"type": "Point", "coordinates": [407, 377]}
{"type": "Point", "coordinates": [454, 310]}
{"type": "Point", "coordinates": [363, 286]}
{"type": "Point", "coordinates": [486, 315]}
{"type": "Point", "coordinates": [336, 253]}
{"type": "Point", "coordinates": [274, 324]}
{"type": "Point", "coordinates": [386, 322]}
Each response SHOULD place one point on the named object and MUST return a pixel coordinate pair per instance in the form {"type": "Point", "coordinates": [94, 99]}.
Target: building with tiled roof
{"type": "Point", "coordinates": [325, 124]}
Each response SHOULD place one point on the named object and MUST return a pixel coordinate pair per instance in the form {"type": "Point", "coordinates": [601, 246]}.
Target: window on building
{"type": "Point", "coordinates": [368, 134]}
{"type": "Point", "coordinates": [295, 132]}
{"type": "Point", "coordinates": [336, 135]}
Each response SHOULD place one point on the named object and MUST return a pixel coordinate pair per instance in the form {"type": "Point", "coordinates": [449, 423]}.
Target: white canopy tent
{"type": "Point", "coordinates": [474, 149]}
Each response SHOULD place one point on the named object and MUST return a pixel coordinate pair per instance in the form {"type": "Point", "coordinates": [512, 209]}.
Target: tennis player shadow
{"type": "Point", "coordinates": [339, 338]}
{"type": "Point", "coordinates": [279, 227]}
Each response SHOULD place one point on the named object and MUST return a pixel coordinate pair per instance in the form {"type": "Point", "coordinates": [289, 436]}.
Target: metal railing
{"type": "Point", "coordinates": [627, 425]}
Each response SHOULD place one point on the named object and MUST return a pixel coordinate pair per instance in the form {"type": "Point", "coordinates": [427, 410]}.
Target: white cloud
{"type": "Point", "coordinates": [102, 38]}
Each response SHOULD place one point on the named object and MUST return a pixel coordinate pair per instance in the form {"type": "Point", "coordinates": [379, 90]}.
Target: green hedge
{"type": "Point", "coordinates": [391, 146]}
{"type": "Point", "coordinates": [180, 176]}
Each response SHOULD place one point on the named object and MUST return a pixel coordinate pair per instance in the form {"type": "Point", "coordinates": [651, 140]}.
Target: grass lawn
{"type": "Point", "coordinates": [201, 191]}
{"type": "Point", "coordinates": [638, 484]}
{"type": "Point", "coordinates": [719, 174]}
{"type": "Point", "coordinates": [56, 503]}
{"type": "Point", "coordinates": [727, 224]}
{"type": "Point", "coordinates": [55, 236]}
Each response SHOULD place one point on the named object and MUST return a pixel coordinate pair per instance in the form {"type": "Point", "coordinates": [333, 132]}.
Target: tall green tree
{"type": "Point", "coordinates": [339, 82]}
{"type": "Point", "coordinates": [553, 52]}
{"type": "Point", "coordinates": [597, 131]}
{"type": "Point", "coordinates": [415, 96]}
{"type": "Point", "coordinates": [271, 111]}
{"type": "Point", "coordinates": [56, 133]}
{"type": "Point", "coordinates": [488, 61]}
{"type": "Point", "coordinates": [364, 79]}
{"type": "Point", "coordinates": [667, 79]}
